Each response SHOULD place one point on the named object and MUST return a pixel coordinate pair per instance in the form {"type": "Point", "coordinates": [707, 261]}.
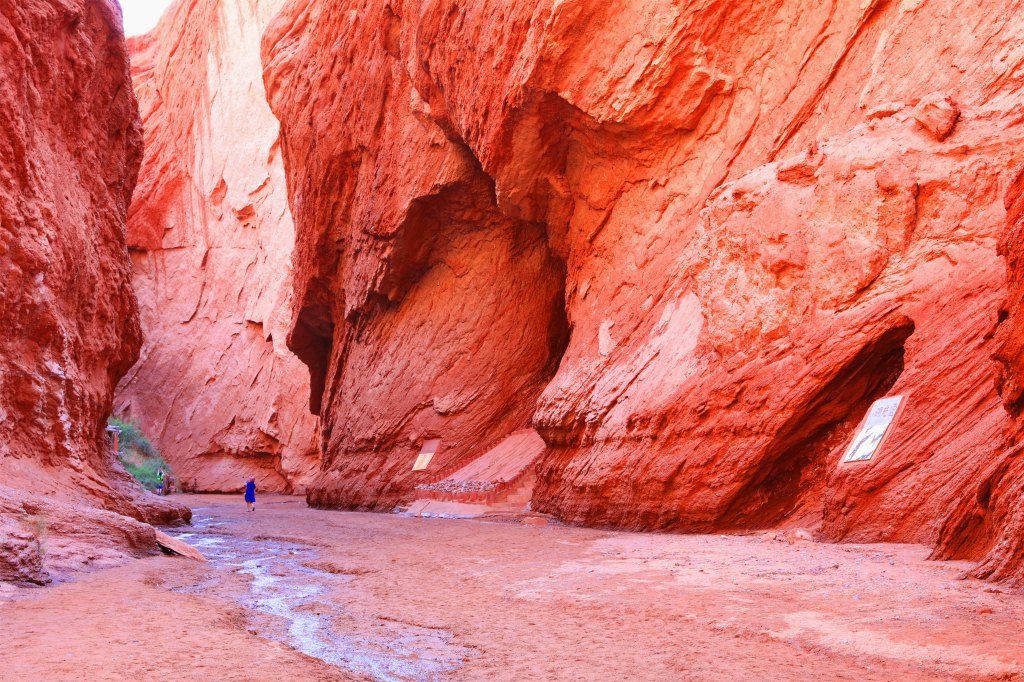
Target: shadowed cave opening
{"type": "Point", "coordinates": [432, 234]}
{"type": "Point", "coordinates": [789, 485]}
{"type": "Point", "coordinates": [429, 235]}
{"type": "Point", "coordinates": [312, 339]}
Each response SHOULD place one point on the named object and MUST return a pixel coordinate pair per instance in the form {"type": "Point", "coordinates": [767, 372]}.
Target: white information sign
{"type": "Point", "coordinates": [872, 431]}
{"type": "Point", "coordinates": [426, 454]}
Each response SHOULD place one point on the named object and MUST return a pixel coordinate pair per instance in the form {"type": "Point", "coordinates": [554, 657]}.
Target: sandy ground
{"type": "Point", "coordinates": [389, 597]}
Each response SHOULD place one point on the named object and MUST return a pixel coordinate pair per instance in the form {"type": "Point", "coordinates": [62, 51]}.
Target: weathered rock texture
{"type": "Point", "coordinates": [41, 538]}
{"type": "Point", "coordinates": [994, 517]}
{"type": "Point", "coordinates": [422, 308]}
{"type": "Point", "coordinates": [211, 239]}
{"type": "Point", "coordinates": [69, 154]}
{"type": "Point", "coordinates": [752, 219]}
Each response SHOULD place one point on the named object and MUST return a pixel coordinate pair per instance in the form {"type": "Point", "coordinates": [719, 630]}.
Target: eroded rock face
{"type": "Point", "coordinates": [994, 516]}
{"type": "Point", "coordinates": [211, 238]}
{"type": "Point", "coordinates": [70, 146]}
{"type": "Point", "coordinates": [422, 309]}
{"type": "Point", "coordinates": [42, 538]}
{"type": "Point", "coordinates": [767, 215]}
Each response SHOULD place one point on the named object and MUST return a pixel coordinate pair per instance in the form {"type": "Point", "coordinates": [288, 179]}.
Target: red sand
{"type": "Point", "coordinates": [530, 603]}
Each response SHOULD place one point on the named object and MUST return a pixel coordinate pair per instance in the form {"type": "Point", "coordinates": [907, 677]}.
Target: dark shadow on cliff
{"type": "Point", "coordinates": [790, 482]}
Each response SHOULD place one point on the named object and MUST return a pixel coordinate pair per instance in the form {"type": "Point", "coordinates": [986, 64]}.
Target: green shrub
{"type": "Point", "coordinates": [131, 437]}
{"type": "Point", "coordinates": [137, 454]}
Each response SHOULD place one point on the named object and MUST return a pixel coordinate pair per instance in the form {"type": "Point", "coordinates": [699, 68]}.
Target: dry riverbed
{"type": "Point", "coordinates": [301, 594]}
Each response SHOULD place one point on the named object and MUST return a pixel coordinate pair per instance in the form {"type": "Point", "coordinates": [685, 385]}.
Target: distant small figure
{"type": "Point", "coordinates": [160, 482]}
{"type": "Point", "coordinates": [250, 495]}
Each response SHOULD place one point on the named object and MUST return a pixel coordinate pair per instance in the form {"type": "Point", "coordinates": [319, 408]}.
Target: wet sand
{"type": "Point", "coordinates": [295, 593]}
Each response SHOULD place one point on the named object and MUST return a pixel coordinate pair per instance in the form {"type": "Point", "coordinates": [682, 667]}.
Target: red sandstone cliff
{"type": "Point", "coordinates": [993, 517]}
{"type": "Point", "coordinates": [729, 227]}
{"type": "Point", "coordinates": [211, 238]}
{"type": "Point", "coordinates": [422, 308]}
{"type": "Point", "coordinates": [70, 146]}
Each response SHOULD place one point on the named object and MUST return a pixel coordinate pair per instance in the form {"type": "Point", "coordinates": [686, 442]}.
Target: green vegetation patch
{"type": "Point", "coordinates": [138, 455]}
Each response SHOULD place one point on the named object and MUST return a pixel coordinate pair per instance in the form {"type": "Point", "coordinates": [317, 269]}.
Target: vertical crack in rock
{"type": "Point", "coordinates": [312, 340]}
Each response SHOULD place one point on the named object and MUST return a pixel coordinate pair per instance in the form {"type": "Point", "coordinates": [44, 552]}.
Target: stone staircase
{"type": "Point", "coordinates": [499, 481]}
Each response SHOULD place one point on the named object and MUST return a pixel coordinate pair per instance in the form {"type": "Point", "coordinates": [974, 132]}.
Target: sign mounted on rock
{"type": "Point", "coordinates": [427, 453]}
{"type": "Point", "coordinates": [874, 429]}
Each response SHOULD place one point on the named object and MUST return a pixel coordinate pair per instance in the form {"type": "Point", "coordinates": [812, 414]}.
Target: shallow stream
{"type": "Point", "coordinates": [291, 602]}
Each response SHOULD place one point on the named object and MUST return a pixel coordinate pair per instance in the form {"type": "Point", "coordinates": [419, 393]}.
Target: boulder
{"type": "Point", "coordinates": [178, 547]}
{"type": "Point", "coordinates": [937, 113]}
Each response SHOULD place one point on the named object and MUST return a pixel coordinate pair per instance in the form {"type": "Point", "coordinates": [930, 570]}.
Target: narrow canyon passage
{"type": "Point", "coordinates": [296, 593]}
{"type": "Point", "coordinates": [540, 283]}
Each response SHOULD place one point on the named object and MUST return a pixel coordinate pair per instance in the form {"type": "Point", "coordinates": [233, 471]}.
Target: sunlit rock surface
{"type": "Point", "coordinates": [70, 146]}
{"type": "Point", "coordinates": [211, 239]}
{"type": "Point", "coordinates": [730, 227]}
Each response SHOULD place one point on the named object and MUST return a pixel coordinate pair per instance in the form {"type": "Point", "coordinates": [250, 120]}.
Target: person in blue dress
{"type": "Point", "coordinates": [250, 495]}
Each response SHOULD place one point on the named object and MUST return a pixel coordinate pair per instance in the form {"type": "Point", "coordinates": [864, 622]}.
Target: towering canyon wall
{"type": "Point", "coordinates": [70, 146]}
{"type": "Point", "coordinates": [690, 244]}
{"type": "Point", "coordinates": [211, 239]}
{"type": "Point", "coordinates": [422, 308]}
